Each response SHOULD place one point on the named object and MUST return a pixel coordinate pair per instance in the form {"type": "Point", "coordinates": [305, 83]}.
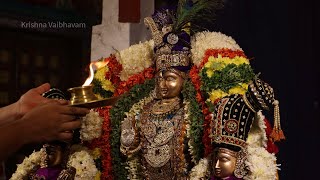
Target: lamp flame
{"type": "Point", "coordinates": [98, 65]}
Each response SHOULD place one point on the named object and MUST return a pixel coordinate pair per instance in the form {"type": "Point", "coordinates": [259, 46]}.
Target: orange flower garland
{"type": "Point", "coordinates": [125, 86]}
{"type": "Point", "coordinates": [115, 69]}
{"type": "Point", "coordinates": [223, 52]}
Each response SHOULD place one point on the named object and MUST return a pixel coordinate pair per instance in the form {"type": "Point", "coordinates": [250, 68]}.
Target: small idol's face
{"type": "Point", "coordinates": [224, 164]}
{"type": "Point", "coordinates": [54, 155]}
{"type": "Point", "coordinates": [169, 84]}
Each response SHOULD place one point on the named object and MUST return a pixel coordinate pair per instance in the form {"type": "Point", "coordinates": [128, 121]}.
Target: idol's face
{"type": "Point", "coordinates": [54, 155]}
{"type": "Point", "coordinates": [224, 163]}
{"type": "Point", "coordinates": [169, 84]}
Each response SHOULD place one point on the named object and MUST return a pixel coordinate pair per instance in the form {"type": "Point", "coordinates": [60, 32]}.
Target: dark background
{"type": "Point", "coordinates": [280, 37]}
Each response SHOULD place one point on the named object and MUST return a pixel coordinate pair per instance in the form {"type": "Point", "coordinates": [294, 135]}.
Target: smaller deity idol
{"type": "Point", "coordinates": [224, 163]}
{"type": "Point", "coordinates": [53, 165]}
{"type": "Point", "coordinates": [236, 119]}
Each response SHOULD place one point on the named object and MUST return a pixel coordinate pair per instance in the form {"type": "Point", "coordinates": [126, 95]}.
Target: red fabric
{"type": "Point", "coordinates": [271, 146]}
{"type": "Point", "coordinates": [129, 11]}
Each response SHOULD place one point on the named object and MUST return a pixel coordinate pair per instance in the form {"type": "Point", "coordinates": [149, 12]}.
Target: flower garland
{"type": "Point", "coordinates": [195, 79]}
{"type": "Point", "coordinates": [83, 162]}
{"type": "Point", "coordinates": [103, 143]}
{"type": "Point", "coordinates": [195, 119]}
{"type": "Point", "coordinates": [107, 77]}
{"type": "Point", "coordinates": [200, 171]}
{"type": "Point", "coordinates": [28, 164]}
{"type": "Point", "coordinates": [205, 40]}
{"type": "Point", "coordinates": [100, 75]}
{"type": "Point", "coordinates": [115, 69]}
{"type": "Point", "coordinates": [135, 59]}
{"type": "Point", "coordinates": [257, 134]}
{"type": "Point", "coordinates": [125, 86]}
{"type": "Point", "coordinates": [121, 87]}
{"type": "Point", "coordinates": [117, 113]}
{"type": "Point", "coordinates": [261, 164]}
{"type": "Point", "coordinates": [91, 126]}
{"type": "Point", "coordinates": [223, 76]}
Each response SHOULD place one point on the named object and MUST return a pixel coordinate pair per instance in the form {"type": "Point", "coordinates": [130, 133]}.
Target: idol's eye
{"type": "Point", "coordinates": [224, 159]}
{"type": "Point", "coordinates": [170, 78]}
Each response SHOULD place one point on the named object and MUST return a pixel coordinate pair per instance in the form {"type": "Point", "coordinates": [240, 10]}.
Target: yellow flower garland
{"type": "Point", "coordinates": [105, 83]}
{"type": "Point", "coordinates": [218, 94]}
{"type": "Point", "coordinates": [218, 63]}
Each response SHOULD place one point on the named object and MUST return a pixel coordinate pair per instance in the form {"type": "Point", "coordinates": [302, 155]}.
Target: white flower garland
{"type": "Point", "coordinates": [257, 135]}
{"type": "Point", "coordinates": [83, 162]}
{"type": "Point", "coordinates": [91, 126]}
{"type": "Point", "coordinates": [262, 164]}
{"type": "Point", "coordinates": [135, 59]}
{"type": "Point", "coordinates": [202, 41]}
{"type": "Point", "coordinates": [28, 164]}
{"type": "Point", "coordinates": [200, 171]}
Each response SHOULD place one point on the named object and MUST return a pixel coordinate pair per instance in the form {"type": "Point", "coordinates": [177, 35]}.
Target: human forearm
{"type": "Point", "coordinates": [12, 137]}
{"type": "Point", "coordinates": [27, 102]}
{"type": "Point", "coordinates": [9, 113]}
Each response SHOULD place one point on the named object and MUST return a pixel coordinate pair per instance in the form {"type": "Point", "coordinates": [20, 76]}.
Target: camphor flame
{"type": "Point", "coordinates": [97, 64]}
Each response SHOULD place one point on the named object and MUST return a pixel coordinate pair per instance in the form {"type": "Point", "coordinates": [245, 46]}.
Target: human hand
{"type": "Point", "coordinates": [53, 120]}
{"type": "Point", "coordinates": [31, 99]}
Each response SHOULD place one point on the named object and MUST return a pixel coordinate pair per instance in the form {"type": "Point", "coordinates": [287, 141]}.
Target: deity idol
{"type": "Point", "coordinates": [53, 165]}
{"type": "Point", "coordinates": [157, 135]}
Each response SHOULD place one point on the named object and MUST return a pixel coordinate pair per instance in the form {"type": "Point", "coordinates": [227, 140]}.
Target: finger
{"type": "Point", "coordinates": [42, 88]}
{"type": "Point", "coordinates": [76, 111]}
{"type": "Point", "coordinates": [69, 126]}
{"type": "Point", "coordinates": [65, 136]}
{"type": "Point", "coordinates": [62, 101]}
{"type": "Point", "coordinates": [67, 118]}
{"type": "Point", "coordinates": [51, 101]}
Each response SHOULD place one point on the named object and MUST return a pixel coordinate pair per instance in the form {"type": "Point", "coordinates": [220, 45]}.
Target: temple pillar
{"type": "Point", "coordinates": [113, 35]}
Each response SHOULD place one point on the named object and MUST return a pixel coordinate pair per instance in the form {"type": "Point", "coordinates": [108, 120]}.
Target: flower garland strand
{"type": "Point", "coordinates": [125, 86]}
{"type": "Point", "coordinates": [83, 162]}
{"type": "Point", "coordinates": [117, 113]}
{"type": "Point", "coordinates": [103, 143]}
{"type": "Point", "coordinates": [91, 126]}
{"type": "Point", "coordinates": [28, 164]}
{"type": "Point", "coordinates": [135, 59]}
{"type": "Point", "coordinates": [196, 121]}
{"type": "Point", "coordinates": [106, 78]}
{"type": "Point", "coordinates": [201, 170]}
{"type": "Point", "coordinates": [202, 41]}
{"type": "Point", "coordinates": [195, 79]}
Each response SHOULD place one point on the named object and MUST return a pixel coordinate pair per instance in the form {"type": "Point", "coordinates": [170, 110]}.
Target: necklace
{"type": "Point", "coordinates": [162, 108]}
